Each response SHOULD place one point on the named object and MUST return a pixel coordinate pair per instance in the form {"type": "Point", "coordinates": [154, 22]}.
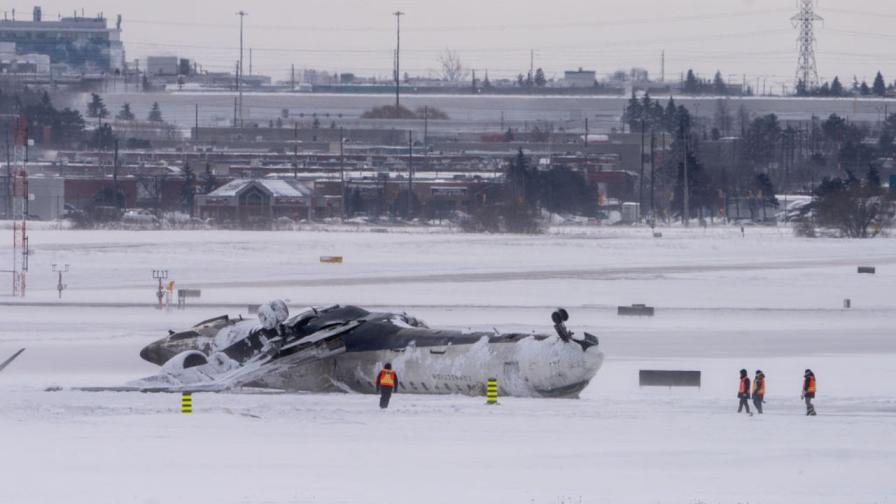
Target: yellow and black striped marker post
{"type": "Point", "coordinates": [491, 391]}
{"type": "Point", "coordinates": [186, 403]}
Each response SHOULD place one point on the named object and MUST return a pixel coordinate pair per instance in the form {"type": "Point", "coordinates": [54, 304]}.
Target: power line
{"type": "Point", "coordinates": [467, 28]}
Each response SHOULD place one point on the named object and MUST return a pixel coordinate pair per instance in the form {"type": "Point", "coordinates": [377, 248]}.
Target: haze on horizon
{"type": "Point", "coordinates": [743, 39]}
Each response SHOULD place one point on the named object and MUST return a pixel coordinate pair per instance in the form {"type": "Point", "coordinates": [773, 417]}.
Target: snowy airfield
{"type": "Point", "coordinates": [766, 300]}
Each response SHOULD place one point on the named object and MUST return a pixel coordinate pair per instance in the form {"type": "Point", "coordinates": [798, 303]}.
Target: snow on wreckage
{"type": "Point", "coordinates": [340, 348]}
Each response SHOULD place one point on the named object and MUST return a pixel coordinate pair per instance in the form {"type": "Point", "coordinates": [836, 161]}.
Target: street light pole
{"type": "Point", "coordinates": [239, 84]}
{"type": "Point", "coordinates": [397, 15]}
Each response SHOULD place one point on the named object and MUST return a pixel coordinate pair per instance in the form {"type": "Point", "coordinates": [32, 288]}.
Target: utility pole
{"type": "Point", "coordinates": [239, 78]}
{"type": "Point", "coordinates": [652, 174]}
{"type": "Point", "coordinates": [293, 80]}
{"type": "Point", "coordinates": [532, 65]}
{"type": "Point", "coordinates": [410, 173]}
{"type": "Point", "coordinates": [663, 66]}
{"type": "Point", "coordinates": [8, 176]}
{"type": "Point", "coordinates": [641, 178]}
{"type": "Point", "coordinates": [397, 15]}
{"type": "Point", "coordinates": [686, 211]}
{"type": "Point", "coordinates": [342, 166]}
{"type": "Point", "coordinates": [426, 137]}
{"type": "Point", "coordinates": [295, 150]}
{"type": "Point", "coordinates": [115, 172]}
{"type": "Point", "coordinates": [196, 139]}
{"type": "Point", "coordinates": [250, 62]}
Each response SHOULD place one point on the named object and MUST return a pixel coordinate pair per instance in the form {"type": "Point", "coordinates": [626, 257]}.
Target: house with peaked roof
{"type": "Point", "coordinates": [256, 203]}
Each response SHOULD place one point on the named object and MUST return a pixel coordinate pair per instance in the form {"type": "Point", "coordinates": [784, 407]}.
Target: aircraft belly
{"type": "Point", "coordinates": [527, 368]}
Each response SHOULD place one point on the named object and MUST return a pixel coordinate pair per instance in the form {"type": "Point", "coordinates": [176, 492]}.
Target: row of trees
{"type": "Point", "coordinates": [96, 109]}
{"type": "Point", "coordinates": [717, 86]}
{"type": "Point", "coordinates": [516, 206]}
{"type": "Point", "coordinates": [835, 88]}
{"type": "Point", "coordinates": [764, 154]}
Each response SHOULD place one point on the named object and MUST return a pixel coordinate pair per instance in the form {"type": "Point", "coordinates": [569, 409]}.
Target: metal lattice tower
{"type": "Point", "coordinates": [806, 71]}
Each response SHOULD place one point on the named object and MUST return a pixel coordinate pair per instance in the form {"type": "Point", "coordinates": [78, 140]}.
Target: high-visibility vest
{"type": "Point", "coordinates": [811, 388]}
{"type": "Point", "coordinates": [387, 378]}
{"type": "Point", "coordinates": [759, 386]}
{"type": "Point", "coordinates": [742, 389]}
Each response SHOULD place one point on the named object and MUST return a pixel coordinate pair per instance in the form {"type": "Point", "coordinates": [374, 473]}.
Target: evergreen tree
{"type": "Point", "coordinates": [864, 90]}
{"type": "Point", "coordinates": [718, 85]}
{"type": "Point", "coordinates": [188, 192]}
{"type": "Point", "coordinates": [691, 84]}
{"type": "Point", "coordinates": [669, 116]}
{"type": "Point", "coordinates": [97, 108]}
{"type": "Point", "coordinates": [103, 138]}
{"type": "Point", "coordinates": [155, 113]}
{"type": "Point", "coordinates": [836, 87]}
{"type": "Point", "coordinates": [761, 140]}
{"type": "Point", "coordinates": [521, 202]}
{"type": "Point", "coordinates": [879, 87]}
{"type": "Point", "coordinates": [540, 80]}
{"type": "Point", "coordinates": [125, 113]}
{"type": "Point", "coordinates": [633, 112]}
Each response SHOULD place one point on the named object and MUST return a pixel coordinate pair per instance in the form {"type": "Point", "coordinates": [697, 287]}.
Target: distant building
{"type": "Point", "coordinates": [14, 63]}
{"type": "Point", "coordinates": [256, 202]}
{"type": "Point", "coordinates": [579, 78]}
{"type": "Point", "coordinates": [162, 66]}
{"type": "Point", "coordinates": [85, 44]}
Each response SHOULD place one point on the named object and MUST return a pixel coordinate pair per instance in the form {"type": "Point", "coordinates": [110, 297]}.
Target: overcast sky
{"type": "Point", "coordinates": [752, 37]}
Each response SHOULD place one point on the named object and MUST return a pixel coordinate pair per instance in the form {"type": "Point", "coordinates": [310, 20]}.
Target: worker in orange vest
{"type": "Point", "coordinates": [759, 390]}
{"type": "Point", "coordinates": [743, 392]}
{"type": "Point", "coordinates": [809, 391]}
{"type": "Point", "coordinates": [386, 383]}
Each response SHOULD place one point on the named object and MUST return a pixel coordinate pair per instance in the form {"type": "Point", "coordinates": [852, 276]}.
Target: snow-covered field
{"type": "Point", "coordinates": [766, 300]}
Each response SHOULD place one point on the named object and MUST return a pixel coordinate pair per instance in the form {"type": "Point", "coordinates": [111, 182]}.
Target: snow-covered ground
{"type": "Point", "coordinates": [766, 300]}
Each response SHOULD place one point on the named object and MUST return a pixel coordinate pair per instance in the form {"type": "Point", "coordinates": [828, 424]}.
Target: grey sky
{"type": "Point", "coordinates": [752, 37]}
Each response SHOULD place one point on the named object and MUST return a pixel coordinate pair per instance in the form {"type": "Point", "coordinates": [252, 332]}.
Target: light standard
{"type": "Point", "coordinates": [397, 15]}
{"type": "Point", "coordinates": [60, 269]}
{"type": "Point", "coordinates": [239, 80]}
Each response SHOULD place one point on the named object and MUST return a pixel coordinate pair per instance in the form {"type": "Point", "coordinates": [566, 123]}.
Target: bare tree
{"type": "Point", "coordinates": [453, 69]}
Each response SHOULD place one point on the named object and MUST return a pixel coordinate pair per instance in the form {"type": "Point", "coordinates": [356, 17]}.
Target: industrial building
{"type": "Point", "coordinates": [78, 43]}
{"type": "Point", "coordinates": [579, 78]}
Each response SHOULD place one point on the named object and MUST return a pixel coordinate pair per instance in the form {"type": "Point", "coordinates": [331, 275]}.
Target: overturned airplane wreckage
{"type": "Point", "coordinates": [341, 348]}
